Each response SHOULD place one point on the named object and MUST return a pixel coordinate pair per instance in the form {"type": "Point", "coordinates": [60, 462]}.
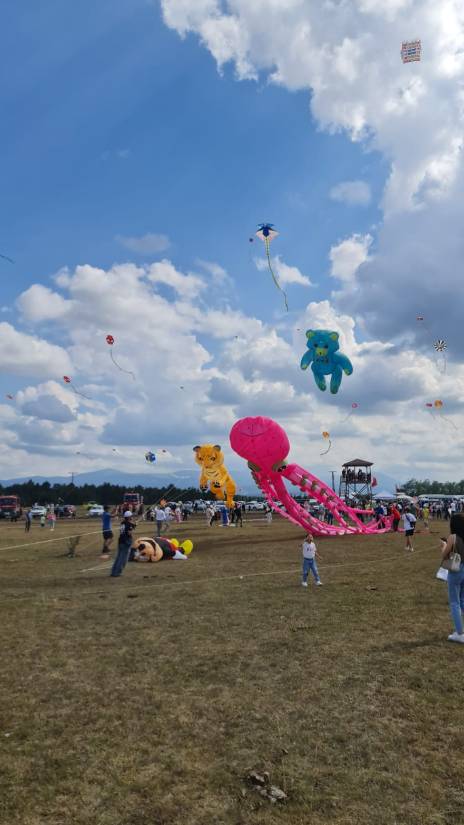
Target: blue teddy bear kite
{"type": "Point", "coordinates": [324, 359]}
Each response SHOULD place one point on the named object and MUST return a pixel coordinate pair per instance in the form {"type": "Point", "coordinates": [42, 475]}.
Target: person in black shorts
{"type": "Point", "coordinates": [107, 531]}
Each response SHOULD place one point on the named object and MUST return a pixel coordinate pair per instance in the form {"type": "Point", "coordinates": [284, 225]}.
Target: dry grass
{"type": "Point", "coordinates": [145, 700]}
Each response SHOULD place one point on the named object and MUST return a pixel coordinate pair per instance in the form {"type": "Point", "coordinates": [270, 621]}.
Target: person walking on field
{"type": "Point", "coordinates": [426, 516]}
{"type": "Point", "coordinates": [396, 517]}
{"type": "Point", "coordinates": [455, 544]}
{"type": "Point", "coordinates": [269, 514]}
{"type": "Point", "coordinates": [409, 524]}
{"type": "Point", "coordinates": [124, 544]}
{"type": "Point", "coordinates": [237, 512]}
{"type": "Point", "coordinates": [209, 513]}
{"type": "Point", "coordinates": [160, 518]}
{"type": "Point", "coordinates": [309, 560]}
{"type": "Point", "coordinates": [28, 522]}
{"type": "Point", "coordinates": [52, 519]}
{"type": "Point", "coordinates": [107, 531]}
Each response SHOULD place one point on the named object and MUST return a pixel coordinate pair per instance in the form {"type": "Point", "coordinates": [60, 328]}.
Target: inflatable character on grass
{"type": "Point", "coordinates": [213, 471]}
{"type": "Point", "coordinates": [160, 549]}
{"type": "Point", "coordinates": [325, 359]}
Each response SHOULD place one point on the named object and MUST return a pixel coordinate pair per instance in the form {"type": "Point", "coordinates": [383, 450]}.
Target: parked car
{"type": "Point", "coordinates": [95, 511]}
{"type": "Point", "coordinates": [66, 511]}
{"type": "Point", "coordinates": [37, 511]}
{"type": "Point", "coordinates": [256, 505]}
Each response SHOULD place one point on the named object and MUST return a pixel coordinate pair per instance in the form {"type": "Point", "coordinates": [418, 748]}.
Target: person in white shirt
{"type": "Point", "coordinates": [409, 524]}
{"type": "Point", "coordinates": [309, 560]}
{"type": "Point", "coordinates": [160, 518]}
{"type": "Point", "coordinates": [209, 513]}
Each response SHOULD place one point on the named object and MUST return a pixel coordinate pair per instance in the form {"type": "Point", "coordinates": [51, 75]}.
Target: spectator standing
{"type": "Point", "coordinates": [28, 522]}
{"type": "Point", "coordinates": [309, 560]}
{"type": "Point", "coordinates": [409, 524]}
{"type": "Point", "coordinates": [107, 531]}
{"type": "Point", "coordinates": [124, 544]}
{"type": "Point", "coordinates": [237, 512]}
{"type": "Point", "coordinates": [396, 517]}
{"type": "Point", "coordinates": [160, 518]}
{"type": "Point", "coordinates": [455, 544]}
{"type": "Point", "coordinates": [269, 514]}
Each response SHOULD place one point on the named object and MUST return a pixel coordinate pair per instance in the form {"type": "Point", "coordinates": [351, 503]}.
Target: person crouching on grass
{"type": "Point", "coordinates": [309, 560]}
{"type": "Point", "coordinates": [124, 544]}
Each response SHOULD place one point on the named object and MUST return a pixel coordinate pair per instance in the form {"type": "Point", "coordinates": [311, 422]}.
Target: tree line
{"type": "Point", "coordinates": [414, 487]}
{"type": "Point", "coordinates": [31, 492]}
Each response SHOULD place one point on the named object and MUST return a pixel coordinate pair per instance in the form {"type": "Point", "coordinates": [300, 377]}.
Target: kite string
{"type": "Point", "coordinates": [274, 278]}
{"type": "Point", "coordinates": [128, 372]}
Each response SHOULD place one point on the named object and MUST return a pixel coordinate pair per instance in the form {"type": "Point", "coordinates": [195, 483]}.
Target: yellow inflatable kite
{"type": "Point", "coordinates": [213, 471]}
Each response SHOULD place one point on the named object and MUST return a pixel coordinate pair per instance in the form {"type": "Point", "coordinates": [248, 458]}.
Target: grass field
{"type": "Point", "coordinates": [146, 700]}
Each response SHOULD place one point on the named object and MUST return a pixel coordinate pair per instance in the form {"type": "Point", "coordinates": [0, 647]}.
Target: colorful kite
{"type": "Point", "coordinates": [411, 51]}
{"type": "Point", "coordinates": [150, 457]}
{"type": "Point", "coordinates": [437, 407]}
{"type": "Point", "coordinates": [110, 342]}
{"type": "Point", "coordinates": [266, 233]}
{"type": "Point", "coordinates": [354, 407]}
{"type": "Point", "coordinates": [68, 380]}
{"type": "Point", "coordinates": [326, 435]}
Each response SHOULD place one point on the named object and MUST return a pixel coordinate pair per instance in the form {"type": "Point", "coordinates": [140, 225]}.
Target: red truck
{"type": "Point", "coordinates": [132, 501]}
{"type": "Point", "coordinates": [10, 507]}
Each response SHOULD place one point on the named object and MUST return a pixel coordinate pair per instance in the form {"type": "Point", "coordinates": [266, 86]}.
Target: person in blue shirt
{"type": "Point", "coordinates": [107, 531]}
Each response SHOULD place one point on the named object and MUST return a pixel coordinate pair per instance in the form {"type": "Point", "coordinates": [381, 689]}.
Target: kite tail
{"type": "Point", "coordinates": [328, 448]}
{"type": "Point", "coordinates": [274, 278]}
{"type": "Point", "coordinates": [441, 363]}
{"type": "Point", "coordinates": [448, 420]}
{"type": "Point", "coordinates": [80, 393]}
{"type": "Point", "coordinates": [128, 372]}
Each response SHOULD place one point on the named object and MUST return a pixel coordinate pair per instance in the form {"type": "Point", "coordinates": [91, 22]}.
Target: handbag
{"type": "Point", "coordinates": [453, 561]}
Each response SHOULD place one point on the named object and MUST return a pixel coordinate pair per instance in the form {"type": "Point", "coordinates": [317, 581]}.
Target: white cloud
{"type": "Point", "coordinates": [353, 192]}
{"type": "Point", "coordinates": [38, 303]}
{"type": "Point", "coordinates": [148, 244]}
{"type": "Point", "coordinates": [188, 286]}
{"type": "Point", "coordinates": [218, 273]}
{"type": "Point", "coordinates": [22, 354]}
{"type": "Point", "coordinates": [286, 274]}
{"type": "Point", "coordinates": [347, 256]}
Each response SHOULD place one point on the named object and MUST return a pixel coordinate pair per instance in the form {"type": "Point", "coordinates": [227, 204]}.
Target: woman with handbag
{"type": "Point", "coordinates": [453, 561]}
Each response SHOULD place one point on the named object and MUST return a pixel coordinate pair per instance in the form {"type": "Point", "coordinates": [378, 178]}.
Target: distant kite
{"type": "Point", "coordinates": [326, 436]}
{"type": "Point", "coordinates": [411, 51]}
{"type": "Point", "coordinates": [266, 233]}
{"type": "Point", "coordinates": [68, 380]}
{"type": "Point", "coordinates": [10, 397]}
{"type": "Point", "coordinates": [110, 342]}
{"type": "Point", "coordinates": [150, 457]}
{"type": "Point", "coordinates": [354, 407]}
{"type": "Point", "coordinates": [6, 258]}
{"type": "Point", "coordinates": [440, 345]}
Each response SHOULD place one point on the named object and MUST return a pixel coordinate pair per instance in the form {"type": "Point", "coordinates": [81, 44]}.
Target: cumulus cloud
{"type": "Point", "coordinates": [148, 244]}
{"type": "Point", "coordinates": [39, 303]}
{"type": "Point", "coordinates": [188, 286]}
{"type": "Point", "coordinates": [48, 407]}
{"type": "Point", "coordinates": [347, 256]}
{"type": "Point", "coordinates": [353, 192]}
{"type": "Point", "coordinates": [22, 354]}
{"type": "Point", "coordinates": [285, 273]}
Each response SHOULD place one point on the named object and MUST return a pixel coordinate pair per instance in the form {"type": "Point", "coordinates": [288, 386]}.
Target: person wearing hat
{"type": "Point", "coordinates": [124, 543]}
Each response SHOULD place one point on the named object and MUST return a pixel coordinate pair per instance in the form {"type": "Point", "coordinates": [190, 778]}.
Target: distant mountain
{"type": "Point", "coordinates": [182, 479]}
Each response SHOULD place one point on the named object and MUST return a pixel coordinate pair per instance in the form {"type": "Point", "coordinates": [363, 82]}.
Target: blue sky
{"type": "Point", "coordinates": [117, 127]}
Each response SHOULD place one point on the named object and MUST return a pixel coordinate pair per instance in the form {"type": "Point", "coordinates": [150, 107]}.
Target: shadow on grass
{"type": "Point", "coordinates": [404, 647]}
